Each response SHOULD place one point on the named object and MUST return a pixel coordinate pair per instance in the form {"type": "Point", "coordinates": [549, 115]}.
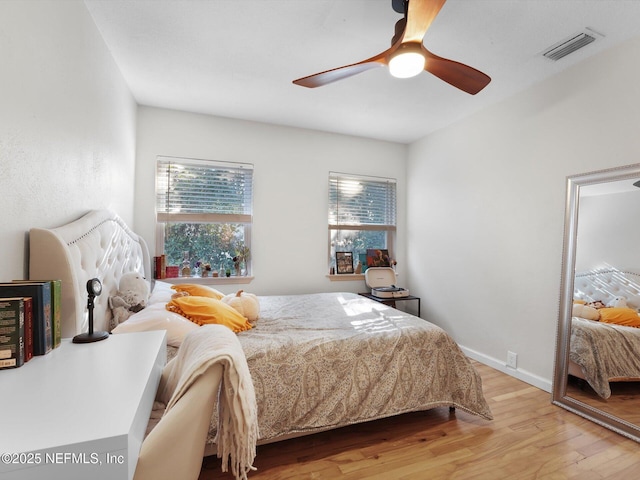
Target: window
{"type": "Point", "coordinates": [204, 211]}
{"type": "Point", "coordinates": [362, 214]}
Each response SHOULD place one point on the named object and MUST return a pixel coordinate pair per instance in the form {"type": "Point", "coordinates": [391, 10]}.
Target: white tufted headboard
{"type": "Point", "coordinates": [607, 284]}
{"type": "Point", "coordinates": [99, 244]}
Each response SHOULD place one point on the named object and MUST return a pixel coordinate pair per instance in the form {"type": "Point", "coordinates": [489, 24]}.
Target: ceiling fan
{"type": "Point", "coordinates": [407, 55]}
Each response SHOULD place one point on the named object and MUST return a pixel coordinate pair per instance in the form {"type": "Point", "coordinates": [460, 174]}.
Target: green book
{"type": "Point", "coordinates": [56, 313]}
{"type": "Point", "coordinates": [11, 332]}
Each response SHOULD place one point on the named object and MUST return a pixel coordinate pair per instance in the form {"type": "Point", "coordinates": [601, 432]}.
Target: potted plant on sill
{"type": "Point", "coordinates": [241, 257]}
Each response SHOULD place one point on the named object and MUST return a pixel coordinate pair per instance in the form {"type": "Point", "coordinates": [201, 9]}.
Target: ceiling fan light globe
{"type": "Point", "coordinates": [406, 64]}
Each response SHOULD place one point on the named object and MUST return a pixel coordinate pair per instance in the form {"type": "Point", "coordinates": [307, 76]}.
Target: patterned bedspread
{"type": "Point", "coordinates": [326, 360]}
{"type": "Point", "coordinates": [605, 352]}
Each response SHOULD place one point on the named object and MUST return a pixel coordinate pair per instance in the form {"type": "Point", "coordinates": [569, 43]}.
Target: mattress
{"type": "Point", "coordinates": [326, 360]}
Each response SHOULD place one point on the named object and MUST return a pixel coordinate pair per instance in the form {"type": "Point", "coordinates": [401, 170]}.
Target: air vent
{"type": "Point", "coordinates": [570, 45]}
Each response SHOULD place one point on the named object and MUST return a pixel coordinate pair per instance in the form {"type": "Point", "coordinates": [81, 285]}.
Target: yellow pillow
{"type": "Point", "coordinates": [198, 290]}
{"type": "Point", "coordinates": [577, 301]}
{"type": "Point", "coordinates": [203, 310]}
{"type": "Point", "coordinates": [620, 316]}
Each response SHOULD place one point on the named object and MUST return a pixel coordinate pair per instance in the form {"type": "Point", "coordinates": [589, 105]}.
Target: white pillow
{"type": "Point", "coordinates": [585, 311]}
{"type": "Point", "coordinates": [157, 317]}
{"type": "Point", "coordinates": [162, 292]}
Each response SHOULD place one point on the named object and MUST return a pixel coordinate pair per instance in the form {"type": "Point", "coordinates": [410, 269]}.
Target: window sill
{"type": "Point", "coordinates": [208, 280]}
{"type": "Point", "coordinates": [346, 277]}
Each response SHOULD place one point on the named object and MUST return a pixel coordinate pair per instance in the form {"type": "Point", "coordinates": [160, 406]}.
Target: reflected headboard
{"type": "Point", "coordinates": [99, 244]}
{"type": "Point", "coordinates": [606, 284]}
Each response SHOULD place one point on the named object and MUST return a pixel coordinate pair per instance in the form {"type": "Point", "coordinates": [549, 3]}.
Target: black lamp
{"type": "Point", "coordinates": [94, 288]}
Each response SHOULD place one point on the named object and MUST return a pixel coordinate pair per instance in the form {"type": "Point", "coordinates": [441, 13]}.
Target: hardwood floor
{"type": "Point", "coordinates": [623, 402]}
{"type": "Point", "coordinates": [529, 438]}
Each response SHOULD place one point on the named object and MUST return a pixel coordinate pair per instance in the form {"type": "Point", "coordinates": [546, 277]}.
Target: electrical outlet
{"type": "Point", "coordinates": [512, 360]}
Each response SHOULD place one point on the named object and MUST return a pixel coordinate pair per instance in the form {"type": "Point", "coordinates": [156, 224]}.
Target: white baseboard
{"type": "Point", "coordinates": [528, 377]}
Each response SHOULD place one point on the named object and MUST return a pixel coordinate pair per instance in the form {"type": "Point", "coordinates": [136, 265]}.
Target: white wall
{"type": "Point", "coordinates": [485, 197]}
{"type": "Point", "coordinates": [291, 176]}
{"type": "Point", "coordinates": [609, 232]}
{"type": "Point", "coordinates": [67, 124]}
{"type": "Point", "coordinates": [486, 202]}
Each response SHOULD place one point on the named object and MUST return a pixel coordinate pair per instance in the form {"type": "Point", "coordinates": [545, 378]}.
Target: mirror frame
{"type": "Point", "coordinates": [563, 337]}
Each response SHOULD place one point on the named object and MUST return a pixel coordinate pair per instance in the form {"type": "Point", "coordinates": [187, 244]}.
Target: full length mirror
{"type": "Point", "coordinates": [597, 368]}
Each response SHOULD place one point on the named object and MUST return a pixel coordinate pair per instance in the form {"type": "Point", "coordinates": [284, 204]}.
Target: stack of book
{"type": "Point", "coordinates": [30, 320]}
{"type": "Point", "coordinates": [159, 267]}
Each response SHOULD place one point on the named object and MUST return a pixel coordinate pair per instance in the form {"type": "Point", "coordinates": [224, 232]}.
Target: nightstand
{"type": "Point", "coordinates": [391, 301]}
{"type": "Point", "coordinates": [81, 411]}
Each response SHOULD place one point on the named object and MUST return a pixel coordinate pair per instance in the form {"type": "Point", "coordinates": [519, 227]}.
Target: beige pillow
{"type": "Point", "coordinates": [585, 311]}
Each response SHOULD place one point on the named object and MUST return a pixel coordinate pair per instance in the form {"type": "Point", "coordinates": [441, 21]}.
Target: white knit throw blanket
{"type": "Point", "coordinates": [237, 409]}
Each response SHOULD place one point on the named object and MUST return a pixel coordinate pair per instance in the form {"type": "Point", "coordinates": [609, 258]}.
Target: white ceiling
{"type": "Point", "coordinates": [237, 58]}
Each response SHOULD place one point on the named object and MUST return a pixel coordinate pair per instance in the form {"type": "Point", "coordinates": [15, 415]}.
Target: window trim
{"type": "Point", "coordinates": [203, 218]}
{"type": "Point", "coordinates": [390, 229]}
{"type": "Point", "coordinates": [162, 218]}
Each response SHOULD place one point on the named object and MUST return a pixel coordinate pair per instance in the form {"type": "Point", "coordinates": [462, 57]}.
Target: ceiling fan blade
{"type": "Point", "coordinates": [461, 76]}
{"type": "Point", "coordinates": [420, 15]}
{"type": "Point", "coordinates": [335, 74]}
{"type": "Point", "coordinates": [410, 31]}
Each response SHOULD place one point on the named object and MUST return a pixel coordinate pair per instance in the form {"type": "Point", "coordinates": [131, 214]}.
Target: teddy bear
{"type": "Point", "coordinates": [131, 297]}
{"type": "Point", "coordinates": [618, 302]}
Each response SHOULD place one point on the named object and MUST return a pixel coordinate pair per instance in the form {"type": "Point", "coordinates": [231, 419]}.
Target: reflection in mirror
{"type": "Point", "coordinates": [597, 372]}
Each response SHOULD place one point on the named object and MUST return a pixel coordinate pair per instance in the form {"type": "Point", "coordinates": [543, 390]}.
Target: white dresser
{"type": "Point", "coordinates": [81, 411]}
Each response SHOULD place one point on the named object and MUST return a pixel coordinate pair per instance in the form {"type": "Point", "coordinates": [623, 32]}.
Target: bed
{"type": "Point", "coordinates": [602, 352]}
{"type": "Point", "coordinates": [317, 361]}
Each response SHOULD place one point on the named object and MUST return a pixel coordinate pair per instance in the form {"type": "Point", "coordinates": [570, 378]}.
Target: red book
{"type": "Point", "coordinates": [157, 267]}
{"type": "Point", "coordinates": [28, 329]}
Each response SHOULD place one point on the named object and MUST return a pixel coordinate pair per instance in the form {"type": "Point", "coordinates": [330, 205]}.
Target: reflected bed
{"type": "Point", "coordinates": [605, 352]}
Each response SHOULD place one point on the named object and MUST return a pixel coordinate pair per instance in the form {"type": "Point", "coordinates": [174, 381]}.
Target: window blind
{"type": "Point", "coordinates": [190, 190]}
{"type": "Point", "coordinates": [363, 202]}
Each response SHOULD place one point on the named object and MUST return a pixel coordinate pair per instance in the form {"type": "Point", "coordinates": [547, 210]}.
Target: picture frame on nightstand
{"type": "Point", "coordinates": [378, 257]}
{"type": "Point", "coordinates": [344, 262]}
